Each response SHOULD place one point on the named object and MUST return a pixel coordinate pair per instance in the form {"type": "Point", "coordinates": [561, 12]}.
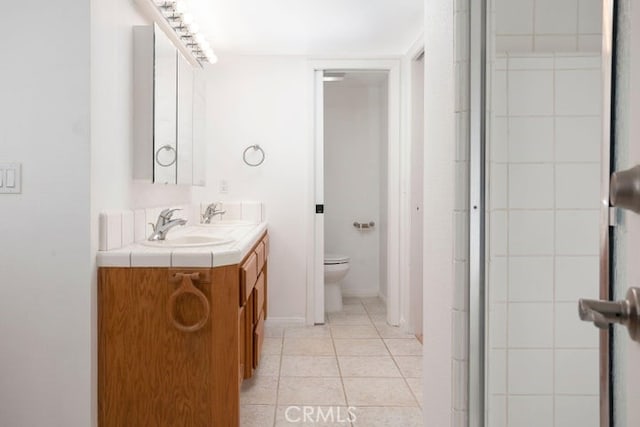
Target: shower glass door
{"type": "Point", "coordinates": [543, 163]}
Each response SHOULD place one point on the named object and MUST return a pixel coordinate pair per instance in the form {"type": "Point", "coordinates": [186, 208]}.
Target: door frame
{"type": "Point", "coordinates": [395, 206]}
{"type": "Point", "coordinates": [415, 52]}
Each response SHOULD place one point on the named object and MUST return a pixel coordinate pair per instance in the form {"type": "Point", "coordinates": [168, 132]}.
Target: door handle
{"type": "Point", "coordinates": [604, 313]}
{"type": "Point", "coordinates": [625, 189]}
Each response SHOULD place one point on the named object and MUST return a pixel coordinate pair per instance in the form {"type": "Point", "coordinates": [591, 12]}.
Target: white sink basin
{"type": "Point", "coordinates": [191, 241]}
{"type": "Point", "coordinates": [227, 223]}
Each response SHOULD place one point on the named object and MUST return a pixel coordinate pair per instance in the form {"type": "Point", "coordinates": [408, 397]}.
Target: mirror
{"type": "Point", "coordinates": [185, 121]}
{"type": "Point", "coordinates": [165, 147]}
{"type": "Point", "coordinates": [169, 112]}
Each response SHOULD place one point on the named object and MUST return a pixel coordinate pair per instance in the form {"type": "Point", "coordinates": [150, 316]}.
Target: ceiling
{"type": "Point", "coordinates": [310, 27]}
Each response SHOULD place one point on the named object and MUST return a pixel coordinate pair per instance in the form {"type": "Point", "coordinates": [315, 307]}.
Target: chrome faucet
{"type": "Point", "coordinates": [212, 210]}
{"type": "Point", "coordinates": [164, 224]}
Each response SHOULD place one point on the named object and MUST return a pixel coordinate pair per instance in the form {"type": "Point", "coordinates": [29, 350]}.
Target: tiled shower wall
{"type": "Point", "coordinates": [460, 313]}
{"type": "Point", "coordinates": [548, 25]}
{"type": "Point", "coordinates": [544, 162]}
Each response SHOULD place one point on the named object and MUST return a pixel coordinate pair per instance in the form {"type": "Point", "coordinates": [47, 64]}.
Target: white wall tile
{"type": "Point", "coordinates": [544, 43]}
{"type": "Point", "coordinates": [114, 230]}
{"type": "Point", "coordinates": [589, 43]}
{"type": "Point", "coordinates": [498, 189]}
{"type": "Point", "coordinates": [577, 232]}
{"type": "Point", "coordinates": [577, 411]}
{"type": "Point", "coordinates": [499, 93]}
{"type": "Point", "coordinates": [531, 186]}
{"type": "Point", "coordinates": [460, 379]}
{"type": "Point", "coordinates": [461, 286]}
{"type": "Point", "coordinates": [578, 139]}
{"type": "Point", "coordinates": [514, 43]}
{"type": "Point", "coordinates": [514, 16]}
{"type": "Point", "coordinates": [576, 277]}
{"type": "Point", "coordinates": [531, 279]}
{"type": "Point", "coordinates": [127, 228]}
{"type": "Point", "coordinates": [102, 232]}
{"type": "Point", "coordinates": [497, 375]}
{"type": "Point", "coordinates": [530, 93]}
{"type": "Point", "coordinates": [530, 325]}
{"type": "Point", "coordinates": [531, 232]}
{"type": "Point", "coordinates": [590, 16]}
{"type": "Point", "coordinates": [576, 372]}
{"type": "Point", "coordinates": [570, 331]}
{"type": "Point", "coordinates": [460, 331]}
{"type": "Point", "coordinates": [462, 186]}
{"type": "Point", "coordinates": [498, 233]}
{"type": "Point", "coordinates": [114, 258]}
{"type": "Point", "coordinates": [531, 139]}
{"type": "Point", "coordinates": [151, 259]}
{"type": "Point", "coordinates": [578, 186]}
{"type": "Point", "coordinates": [461, 244]}
{"type": "Point", "coordinates": [575, 93]}
{"type": "Point", "coordinates": [233, 210]}
{"type": "Point", "coordinates": [498, 325]}
{"type": "Point", "coordinates": [192, 258]}
{"type": "Point", "coordinates": [498, 411]}
{"type": "Point", "coordinates": [499, 139]}
{"type": "Point", "coordinates": [556, 16]}
{"type": "Point", "coordinates": [530, 411]}
{"type": "Point", "coordinates": [140, 225]}
{"type": "Point", "coordinates": [530, 371]}
{"type": "Point", "coordinates": [498, 279]}
{"type": "Point", "coordinates": [572, 62]}
{"type": "Point", "coordinates": [531, 62]}
{"type": "Point", "coordinates": [462, 136]}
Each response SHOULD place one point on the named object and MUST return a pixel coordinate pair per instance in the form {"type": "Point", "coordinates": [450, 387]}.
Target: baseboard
{"type": "Point", "coordinates": [383, 298]}
{"type": "Point", "coordinates": [286, 320]}
{"type": "Point", "coordinates": [359, 293]}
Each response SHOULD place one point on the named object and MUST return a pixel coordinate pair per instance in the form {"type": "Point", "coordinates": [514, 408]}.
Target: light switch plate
{"type": "Point", "coordinates": [11, 178]}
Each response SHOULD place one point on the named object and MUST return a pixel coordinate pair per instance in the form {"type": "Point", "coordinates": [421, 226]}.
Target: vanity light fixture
{"type": "Point", "coordinates": [182, 22]}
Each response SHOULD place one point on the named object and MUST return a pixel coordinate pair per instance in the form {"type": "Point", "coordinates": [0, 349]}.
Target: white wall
{"type": "Point", "coordinates": [355, 142]}
{"type": "Point", "coordinates": [548, 25]}
{"type": "Point", "coordinates": [45, 293]}
{"type": "Point", "coordinates": [544, 207]}
{"type": "Point", "coordinates": [440, 137]}
{"type": "Point", "coordinates": [265, 100]}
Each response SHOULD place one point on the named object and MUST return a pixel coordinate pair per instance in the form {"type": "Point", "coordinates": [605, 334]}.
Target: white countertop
{"type": "Point", "coordinates": [138, 255]}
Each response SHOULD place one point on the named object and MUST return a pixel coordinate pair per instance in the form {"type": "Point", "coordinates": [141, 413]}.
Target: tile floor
{"type": "Point", "coordinates": [356, 360]}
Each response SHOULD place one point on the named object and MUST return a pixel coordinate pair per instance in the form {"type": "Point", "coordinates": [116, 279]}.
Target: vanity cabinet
{"type": "Point", "coordinates": [174, 344]}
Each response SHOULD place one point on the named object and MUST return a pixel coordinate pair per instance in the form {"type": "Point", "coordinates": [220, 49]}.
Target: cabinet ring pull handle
{"type": "Point", "coordinates": [187, 287]}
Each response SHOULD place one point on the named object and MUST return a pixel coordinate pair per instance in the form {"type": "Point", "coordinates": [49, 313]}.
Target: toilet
{"type": "Point", "coordinates": [335, 269]}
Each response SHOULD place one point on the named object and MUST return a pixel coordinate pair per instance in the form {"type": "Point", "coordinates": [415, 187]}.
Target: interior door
{"type": "Point", "coordinates": [620, 227]}
{"type": "Point", "coordinates": [318, 282]}
{"type": "Point", "coordinates": [625, 375]}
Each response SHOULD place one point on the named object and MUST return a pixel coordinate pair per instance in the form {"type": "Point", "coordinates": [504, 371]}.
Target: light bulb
{"type": "Point", "coordinates": [180, 7]}
{"type": "Point", "coordinates": [193, 28]}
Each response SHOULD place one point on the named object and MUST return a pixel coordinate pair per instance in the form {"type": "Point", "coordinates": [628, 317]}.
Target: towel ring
{"type": "Point", "coordinates": [255, 147]}
{"type": "Point", "coordinates": [168, 148]}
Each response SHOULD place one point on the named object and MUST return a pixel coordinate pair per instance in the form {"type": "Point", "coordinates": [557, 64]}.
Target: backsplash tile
{"type": "Point", "coordinates": [118, 229]}
{"type": "Point", "coordinates": [128, 226]}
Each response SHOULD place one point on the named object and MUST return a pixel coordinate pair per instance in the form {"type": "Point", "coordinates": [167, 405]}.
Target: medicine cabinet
{"type": "Point", "coordinates": [169, 112]}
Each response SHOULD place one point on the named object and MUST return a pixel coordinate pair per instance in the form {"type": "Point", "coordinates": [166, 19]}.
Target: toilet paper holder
{"type": "Point", "coordinates": [364, 225]}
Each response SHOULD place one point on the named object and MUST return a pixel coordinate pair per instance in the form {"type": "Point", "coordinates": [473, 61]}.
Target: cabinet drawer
{"type": "Point", "coordinates": [258, 297]}
{"type": "Point", "coordinates": [260, 253]}
{"type": "Point", "coordinates": [258, 339]}
{"type": "Point", "coordinates": [248, 276]}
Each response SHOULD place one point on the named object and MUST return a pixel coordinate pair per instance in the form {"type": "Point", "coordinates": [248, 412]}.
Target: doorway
{"type": "Point", "coordinates": [388, 262]}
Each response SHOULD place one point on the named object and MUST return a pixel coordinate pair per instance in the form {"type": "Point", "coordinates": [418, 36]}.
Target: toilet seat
{"type": "Point", "coordinates": [333, 259]}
